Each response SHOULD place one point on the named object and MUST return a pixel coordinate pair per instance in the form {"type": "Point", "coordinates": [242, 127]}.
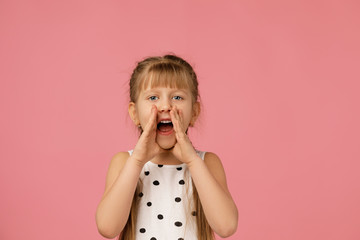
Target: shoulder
{"type": "Point", "coordinates": [209, 158]}
{"type": "Point", "coordinates": [121, 155]}
{"type": "Point", "coordinates": [119, 159]}
{"type": "Point", "coordinates": [212, 160]}
{"type": "Point", "coordinates": [116, 164]}
{"type": "Point", "coordinates": [213, 163]}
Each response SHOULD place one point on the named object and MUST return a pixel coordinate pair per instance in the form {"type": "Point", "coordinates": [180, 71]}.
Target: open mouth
{"type": "Point", "coordinates": [165, 126]}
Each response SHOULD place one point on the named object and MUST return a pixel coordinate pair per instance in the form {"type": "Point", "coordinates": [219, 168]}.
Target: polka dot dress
{"type": "Point", "coordinates": [166, 210]}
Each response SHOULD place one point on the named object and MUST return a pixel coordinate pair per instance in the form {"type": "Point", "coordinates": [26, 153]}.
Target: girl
{"type": "Point", "coordinates": [165, 189]}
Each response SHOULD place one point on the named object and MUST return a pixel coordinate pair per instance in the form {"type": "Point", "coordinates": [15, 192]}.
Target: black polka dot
{"type": "Point", "coordinates": [160, 217]}
{"type": "Point", "coordinates": [160, 165]}
{"type": "Point", "coordinates": [142, 230]}
{"type": "Point", "coordinates": [152, 238]}
{"type": "Point", "coordinates": [177, 199]}
{"type": "Point", "coordinates": [147, 173]}
{"type": "Point", "coordinates": [193, 213]}
{"type": "Point", "coordinates": [180, 239]}
{"type": "Point", "coordinates": [141, 194]}
{"type": "Point", "coordinates": [149, 204]}
{"type": "Point", "coordinates": [181, 182]}
{"type": "Point", "coordinates": [156, 183]}
{"type": "Point", "coordinates": [179, 168]}
{"type": "Point", "coordinates": [178, 224]}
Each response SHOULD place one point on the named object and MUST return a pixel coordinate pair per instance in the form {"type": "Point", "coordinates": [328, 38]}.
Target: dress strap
{"type": "Point", "coordinates": [201, 154]}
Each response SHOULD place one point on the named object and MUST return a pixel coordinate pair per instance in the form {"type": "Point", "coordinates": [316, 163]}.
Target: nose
{"type": "Point", "coordinates": [164, 105]}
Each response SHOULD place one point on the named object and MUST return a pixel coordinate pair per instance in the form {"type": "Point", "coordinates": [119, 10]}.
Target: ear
{"type": "Point", "coordinates": [195, 113]}
{"type": "Point", "coordinates": [133, 113]}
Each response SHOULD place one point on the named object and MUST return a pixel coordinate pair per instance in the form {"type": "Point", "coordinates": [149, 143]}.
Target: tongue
{"type": "Point", "coordinates": [165, 127]}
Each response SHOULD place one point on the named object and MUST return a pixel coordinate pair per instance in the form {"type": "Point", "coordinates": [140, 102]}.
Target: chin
{"type": "Point", "coordinates": [166, 144]}
{"type": "Point", "coordinates": [167, 148]}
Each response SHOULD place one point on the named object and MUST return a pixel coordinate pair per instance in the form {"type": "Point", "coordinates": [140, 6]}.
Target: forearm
{"type": "Point", "coordinates": [219, 208]}
{"type": "Point", "coordinates": [114, 208]}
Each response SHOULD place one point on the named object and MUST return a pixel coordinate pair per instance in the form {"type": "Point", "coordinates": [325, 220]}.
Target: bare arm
{"type": "Point", "coordinates": [209, 179]}
{"type": "Point", "coordinates": [219, 207]}
{"type": "Point", "coordinates": [114, 208]}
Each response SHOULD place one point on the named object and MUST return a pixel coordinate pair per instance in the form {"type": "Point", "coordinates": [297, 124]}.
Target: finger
{"type": "Point", "coordinates": [179, 133]}
{"type": "Point", "coordinates": [179, 117]}
{"type": "Point", "coordinates": [176, 113]}
{"type": "Point", "coordinates": [174, 120]}
{"type": "Point", "coordinates": [151, 125]}
{"type": "Point", "coordinates": [153, 117]}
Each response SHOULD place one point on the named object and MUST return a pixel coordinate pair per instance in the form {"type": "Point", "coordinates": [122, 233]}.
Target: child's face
{"type": "Point", "coordinates": [164, 98]}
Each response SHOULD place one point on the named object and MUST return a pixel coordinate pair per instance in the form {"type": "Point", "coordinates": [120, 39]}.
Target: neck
{"type": "Point", "coordinates": [166, 157]}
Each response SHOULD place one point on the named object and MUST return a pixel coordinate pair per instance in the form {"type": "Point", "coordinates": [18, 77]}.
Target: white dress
{"type": "Point", "coordinates": [166, 208]}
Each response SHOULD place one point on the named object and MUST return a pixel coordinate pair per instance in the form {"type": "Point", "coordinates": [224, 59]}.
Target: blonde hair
{"type": "Point", "coordinates": [167, 71]}
{"type": "Point", "coordinates": [174, 72]}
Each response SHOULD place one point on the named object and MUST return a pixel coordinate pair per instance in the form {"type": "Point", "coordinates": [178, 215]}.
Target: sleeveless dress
{"type": "Point", "coordinates": [166, 208]}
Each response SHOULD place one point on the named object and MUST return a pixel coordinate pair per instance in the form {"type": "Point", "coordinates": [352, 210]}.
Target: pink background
{"type": "Point", "coordinates": [279, 82]}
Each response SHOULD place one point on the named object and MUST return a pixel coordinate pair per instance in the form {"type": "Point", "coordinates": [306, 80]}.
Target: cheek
{"type": "Point", "coordinates": [143, 114]}
{"type": "Point", "coordinates": [146, 116]}
{"type": "Point", "coordinates": [186, 114]}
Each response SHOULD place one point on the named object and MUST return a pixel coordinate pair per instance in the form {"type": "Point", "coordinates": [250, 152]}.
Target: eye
{"type": "Point", "coordinates": [153, 98]}
{"type": "Point", "coordinates": [177, 98]}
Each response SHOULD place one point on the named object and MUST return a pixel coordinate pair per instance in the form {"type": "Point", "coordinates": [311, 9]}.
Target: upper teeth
{"type": "Point", "coordinates": [165, 121]}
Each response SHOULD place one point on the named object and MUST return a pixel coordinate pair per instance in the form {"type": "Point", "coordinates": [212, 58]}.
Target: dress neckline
{"type": "Point", "coordinates": [167, 165]}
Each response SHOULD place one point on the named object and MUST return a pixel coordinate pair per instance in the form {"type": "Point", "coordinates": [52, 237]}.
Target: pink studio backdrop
{"type": "Point", "coordinates": [279, 82]}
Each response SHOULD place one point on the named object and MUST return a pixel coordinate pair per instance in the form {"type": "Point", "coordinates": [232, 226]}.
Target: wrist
{"type": "Point", "coordinates": [136, 162]}
{"type": "Point", "coordinates": [194, 162]}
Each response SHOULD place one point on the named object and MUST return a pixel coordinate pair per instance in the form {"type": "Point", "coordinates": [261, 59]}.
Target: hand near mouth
{"type": "Point", "coordinates": [183, 149]}
{"type": "Point", "coordinates": [147, 147]}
